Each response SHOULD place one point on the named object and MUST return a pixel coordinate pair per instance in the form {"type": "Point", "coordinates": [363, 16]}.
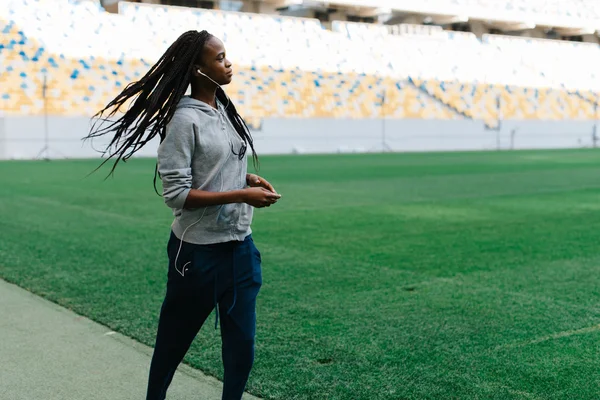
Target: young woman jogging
{"type": "Point", "coordinates": [202, 163]}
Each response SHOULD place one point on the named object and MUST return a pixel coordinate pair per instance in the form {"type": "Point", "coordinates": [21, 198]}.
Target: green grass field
{"type": "Point", "coordinates": [394, 276]}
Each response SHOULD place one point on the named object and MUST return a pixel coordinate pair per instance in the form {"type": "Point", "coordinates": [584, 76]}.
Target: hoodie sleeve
{"type": "Point", "coordinates": [175, 160]}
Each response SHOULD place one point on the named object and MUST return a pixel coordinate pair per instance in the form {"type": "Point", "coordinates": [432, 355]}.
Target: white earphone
{"type": "Point", "coordinates": [215, 82]}
{"type": "Point", "coordinates": [203, 74]}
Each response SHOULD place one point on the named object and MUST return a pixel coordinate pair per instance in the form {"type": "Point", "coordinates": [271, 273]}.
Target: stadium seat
{"type": "Point", "coordinates": [354, 70]}
{"type": "Point", "coordinates": [567, 13]}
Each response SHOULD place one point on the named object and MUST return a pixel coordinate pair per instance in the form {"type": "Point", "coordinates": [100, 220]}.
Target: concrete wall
{"type": "Point", "coordinates": [24, 138]}
{"type": "Point", "coordinates": [363, 135]}
{"type": "Point", "coordinates": [3, 141]}
{"type": "Point", "coordinates": [546, 134]}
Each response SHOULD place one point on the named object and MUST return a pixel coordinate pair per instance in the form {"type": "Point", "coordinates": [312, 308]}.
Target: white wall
{"type": "Point", "coordinates": [3, 141]}
{"type": "Point", "coordinates": [547, 134]}
{"type": "Point", "coordinates": [23, 137]}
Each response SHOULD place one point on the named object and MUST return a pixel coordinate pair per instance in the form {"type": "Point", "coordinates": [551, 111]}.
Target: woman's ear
{"type": "Point", "coordinates": [197, 71]}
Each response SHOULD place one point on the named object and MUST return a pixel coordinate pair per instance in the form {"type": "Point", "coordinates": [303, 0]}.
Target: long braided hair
{"type": "Point", "coordinates": [154, 100]}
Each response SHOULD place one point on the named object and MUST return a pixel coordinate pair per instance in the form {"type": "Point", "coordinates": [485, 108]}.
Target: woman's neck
{"type": "Point", "coordinates": [206, 95]}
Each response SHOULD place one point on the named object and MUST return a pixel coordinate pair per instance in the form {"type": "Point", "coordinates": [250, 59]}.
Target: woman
{"type": "Point", "coordinates": [202, 163]}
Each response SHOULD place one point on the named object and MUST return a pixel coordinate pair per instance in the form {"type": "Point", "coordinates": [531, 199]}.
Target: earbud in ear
{"type": "Point", "coordinates": [199, 71]}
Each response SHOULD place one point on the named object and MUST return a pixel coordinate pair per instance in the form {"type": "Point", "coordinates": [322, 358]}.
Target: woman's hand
{"type": "Point", "coordinates": [256, 181]}
{"type": "Point", "coordinates": [260, 197]}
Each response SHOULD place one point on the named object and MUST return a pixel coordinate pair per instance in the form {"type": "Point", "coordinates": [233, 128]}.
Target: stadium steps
{"type": "Point", "coordinates": [454, 102]}
{"type": "Point", "coordinates": [589, 97]}
{"type": "Point", "coordinates": [422, 86]}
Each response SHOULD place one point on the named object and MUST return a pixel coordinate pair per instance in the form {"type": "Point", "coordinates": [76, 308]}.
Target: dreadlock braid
{"type": "Point", "coordinates": [155, 97]}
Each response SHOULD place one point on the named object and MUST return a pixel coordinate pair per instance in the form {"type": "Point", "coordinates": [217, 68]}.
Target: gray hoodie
{"type": "Point", "coordinates": [196, 154]}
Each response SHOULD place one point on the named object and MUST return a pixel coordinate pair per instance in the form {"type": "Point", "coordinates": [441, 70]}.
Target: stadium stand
{"type": "Point", "coordinates": [355, 70]}
{"type": "Point", "coordinates": [556, 13]}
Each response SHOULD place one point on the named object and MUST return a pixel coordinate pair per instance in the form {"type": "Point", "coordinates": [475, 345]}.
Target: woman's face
{"type": "Point", "coordinates": [215, 63]}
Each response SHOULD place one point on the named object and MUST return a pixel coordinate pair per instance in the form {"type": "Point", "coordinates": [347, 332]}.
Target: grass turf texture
{"type": "Point", "coordinates": [396, 276]}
